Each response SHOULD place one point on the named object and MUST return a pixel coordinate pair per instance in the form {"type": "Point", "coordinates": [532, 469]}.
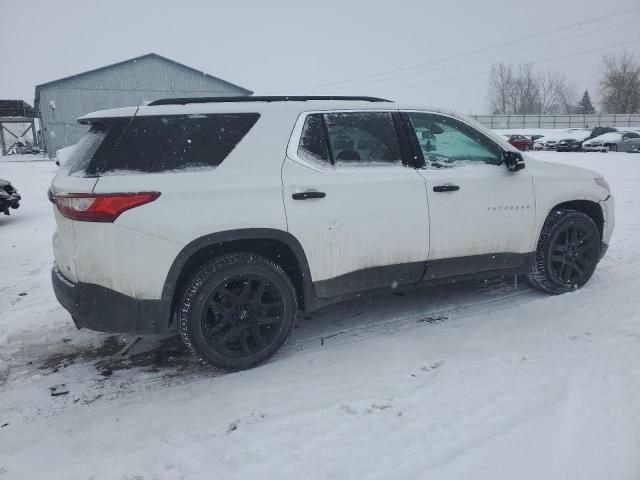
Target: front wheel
{"type": "Point", "coordinates": [237, 311]}
{"type": "Point", "coordinates": [568, 252]}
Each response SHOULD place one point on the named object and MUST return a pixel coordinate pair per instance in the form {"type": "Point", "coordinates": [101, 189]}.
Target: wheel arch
{"type": "Point", "coordinates": [590, 208]}
{"type": "Point", "coordinates": [277, 245]}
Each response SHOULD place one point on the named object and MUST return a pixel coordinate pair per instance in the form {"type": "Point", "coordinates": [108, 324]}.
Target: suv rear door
{"type": "Point", "coordinates": [353, 201]}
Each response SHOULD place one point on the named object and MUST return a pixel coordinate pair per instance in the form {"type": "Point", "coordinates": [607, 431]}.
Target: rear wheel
{"type": "Point", "coordinates": [237, 311]}
{"type": "Point", "coordinates": [568, 252]}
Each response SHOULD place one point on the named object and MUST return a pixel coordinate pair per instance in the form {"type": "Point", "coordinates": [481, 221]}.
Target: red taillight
{"type": "Point", "coordinates": [100, 207]}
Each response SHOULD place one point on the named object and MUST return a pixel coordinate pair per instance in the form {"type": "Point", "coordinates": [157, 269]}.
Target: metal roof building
{"type": "Point", "coordinates": [129, 83]}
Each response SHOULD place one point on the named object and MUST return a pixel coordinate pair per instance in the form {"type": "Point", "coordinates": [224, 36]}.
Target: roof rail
{"type": "Point", "coordinates": [188, 100]}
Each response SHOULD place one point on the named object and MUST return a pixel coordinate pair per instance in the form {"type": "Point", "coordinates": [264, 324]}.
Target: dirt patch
{"type": "Point", "coordinates": [112, 355]}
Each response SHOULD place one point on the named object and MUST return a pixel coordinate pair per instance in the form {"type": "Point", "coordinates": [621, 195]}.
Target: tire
{"type": "Point", "coordinates": [237, 311]}
{"type": "Point", "coordinates": [613, 148]}
{"type": "Point", "coordinates": [527, 148]}
{"type": "Point", "coordinates": [567, 254]}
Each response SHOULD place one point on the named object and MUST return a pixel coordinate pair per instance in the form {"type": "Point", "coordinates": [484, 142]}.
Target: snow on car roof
{"type": "Point", "coordinates": [548, 133]}
{"type": "Point", "coordinates": [606, 137]}
{"type": "Point", "coordinates": [293, 107]}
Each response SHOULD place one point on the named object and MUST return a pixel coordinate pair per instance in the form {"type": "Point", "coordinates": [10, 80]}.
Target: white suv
{"type": "Point", "coordinates": [221, 217]}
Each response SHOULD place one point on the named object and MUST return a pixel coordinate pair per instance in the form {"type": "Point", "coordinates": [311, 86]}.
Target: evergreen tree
{"type": "Point", "coordinates": [585, 107]}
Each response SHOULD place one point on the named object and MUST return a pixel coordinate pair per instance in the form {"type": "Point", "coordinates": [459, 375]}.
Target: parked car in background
{"type": "Point", "coordinates": [569, 145]}
{"type": "Point", "coordinates": [520, 142]}
{"type": "Point", "coordinates": [9, 197]}
{"type": "Point", "coordinates": [546, 143]}
{"type": "Point", "coordinates": [630, 145]}
{"type": "Point", "coordinates": [265, 180]}
{"type": "Point", "coordinates": [608, 141]}
{"type": "Point", "coordinates": [597, 131]}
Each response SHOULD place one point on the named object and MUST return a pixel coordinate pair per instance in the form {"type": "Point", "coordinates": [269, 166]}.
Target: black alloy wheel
{"type": "Point", "coordinates": [237, 311]}
{"type": "Point", "coordinates": [573, 251]}
{"type": "Point", "coordinates": [568, 252]}
{"type": "Point", "coordinates": [242, 315]}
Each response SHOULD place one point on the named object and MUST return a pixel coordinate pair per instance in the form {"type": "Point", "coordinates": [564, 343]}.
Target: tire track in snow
{"type": "Point", "coordinates": [336, 326]}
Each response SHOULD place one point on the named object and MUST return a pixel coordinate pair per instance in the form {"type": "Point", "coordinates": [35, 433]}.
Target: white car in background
{"type": "Point", "coordinates": [608, 141]}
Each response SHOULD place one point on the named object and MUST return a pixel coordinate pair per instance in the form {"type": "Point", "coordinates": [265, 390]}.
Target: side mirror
{"type": "Point", "coordinates": [513, 160]}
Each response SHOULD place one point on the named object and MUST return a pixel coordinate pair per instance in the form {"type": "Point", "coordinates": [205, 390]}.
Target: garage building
{"type": "Point", "coordinates": [129, 83]}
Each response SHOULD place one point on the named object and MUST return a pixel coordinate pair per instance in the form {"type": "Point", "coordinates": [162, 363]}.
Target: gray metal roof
{"type": "Point", "coordinates": [148, 55]}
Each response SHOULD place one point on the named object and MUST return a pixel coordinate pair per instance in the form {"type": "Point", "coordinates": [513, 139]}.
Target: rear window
{"type": "Point", "coordinates": [159, 143]}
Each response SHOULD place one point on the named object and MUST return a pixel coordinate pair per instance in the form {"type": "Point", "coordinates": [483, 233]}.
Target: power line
{"type": "Point", "coordinates": [575, 54]}
{"type": "Point", "coordinates": [550, 42]}
{"type": "Point", "coordinates": [473, 52]}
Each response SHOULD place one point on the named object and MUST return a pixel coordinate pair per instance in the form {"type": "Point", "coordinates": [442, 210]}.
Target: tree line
{"type": "Point", "coordinates": [524, 89]}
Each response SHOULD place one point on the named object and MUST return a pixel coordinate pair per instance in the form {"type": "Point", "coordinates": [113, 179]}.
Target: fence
{"type": "Point", "coordinates": [559, 121]}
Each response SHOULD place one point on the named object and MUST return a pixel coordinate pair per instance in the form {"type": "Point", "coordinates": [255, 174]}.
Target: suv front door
{"type": "Point", "coordinates": [356, 206]}
{"type": "Point", "coordinates": [481, 215]}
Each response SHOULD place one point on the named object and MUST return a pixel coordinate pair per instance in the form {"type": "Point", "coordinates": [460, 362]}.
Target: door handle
{"type": "Point", "coordinates": [308, 194]}
{"type": "Point", "coordinates": [447, 187]}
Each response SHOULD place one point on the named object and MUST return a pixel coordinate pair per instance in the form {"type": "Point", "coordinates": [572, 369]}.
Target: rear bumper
{"type": "Point", "coordinates": [105, 310]}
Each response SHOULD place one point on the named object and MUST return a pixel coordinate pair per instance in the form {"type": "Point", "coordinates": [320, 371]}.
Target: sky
{"type": "Point", "coordinates": [436, 53]}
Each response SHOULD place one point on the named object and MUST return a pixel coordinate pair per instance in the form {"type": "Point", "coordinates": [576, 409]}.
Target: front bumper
{"type": "Point", "coordinates": [608, 211]}
{"type": "Point", "coordinates": [105, 310]}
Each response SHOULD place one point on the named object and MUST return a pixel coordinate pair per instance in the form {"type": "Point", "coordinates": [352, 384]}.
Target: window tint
{"type": "Point", "coordinates": [446, 142]}
{"type": "Point", "coordinates": [313, 141]}
{"type": "Point", "coordinates": [160, 143]}
{"type": "Point", "coordinates": [81, 153]}
{"type": "Point", "coordinates": [362, 138]}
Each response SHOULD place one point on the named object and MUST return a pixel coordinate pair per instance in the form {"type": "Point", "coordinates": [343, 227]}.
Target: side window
{"type": "Point", "coordinates": [364, 138]}
{"type": "Point", "coordinates": [446, 142]}
{"type": "Point", "coordinates": [161, 143]}
{"type": "Point", "coordinates": [313, 141]}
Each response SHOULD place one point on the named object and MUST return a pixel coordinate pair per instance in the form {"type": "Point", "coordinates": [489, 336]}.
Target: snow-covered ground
{"type": "Point", "coordinates": [479, 380]}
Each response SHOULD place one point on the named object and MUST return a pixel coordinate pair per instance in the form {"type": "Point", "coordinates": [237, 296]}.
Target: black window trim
{"type": "Point", "coordinates": [421, 162]}
{"type": "Point", "coordinates": [325, 129]}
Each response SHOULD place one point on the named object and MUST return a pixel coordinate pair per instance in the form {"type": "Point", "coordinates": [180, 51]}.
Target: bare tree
{"type": "Point", "coordinates": [524, 90]}
{"type": "Point", "coordinates": [620, 87]}
{"type": "Point", "coordinates": [501, 85]}
{"type": "Point", "coordinates": [552, 86]}
{"type": "Point", "coordinates": [527, 100]}
{"type": "Point", "coordinates": [569, 98]}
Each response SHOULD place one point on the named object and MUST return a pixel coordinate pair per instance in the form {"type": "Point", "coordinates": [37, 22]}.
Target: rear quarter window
{"type": "Point", "coordinates": [75, 160]}
{"type": "Point", "coordinates": [153, 144]}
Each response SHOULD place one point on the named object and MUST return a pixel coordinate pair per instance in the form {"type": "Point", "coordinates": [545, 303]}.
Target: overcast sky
{"type": "Point", "coordinates": [417, 51]}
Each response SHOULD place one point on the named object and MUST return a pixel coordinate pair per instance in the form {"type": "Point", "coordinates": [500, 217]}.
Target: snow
{"type": "Point", "coordinates": [474, 380]}
{"type": "Point", "coordinates": [606, 137]}
{"type": "Point", "coordinates": [549, 133]}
